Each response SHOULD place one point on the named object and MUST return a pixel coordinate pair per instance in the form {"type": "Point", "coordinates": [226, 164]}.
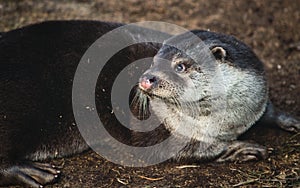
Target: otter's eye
{"type": "Point", "coordinates": [180, 67]}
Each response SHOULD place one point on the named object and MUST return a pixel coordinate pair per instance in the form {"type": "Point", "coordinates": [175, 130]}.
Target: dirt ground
{"type": "Point", "coordinates": [270, 27]}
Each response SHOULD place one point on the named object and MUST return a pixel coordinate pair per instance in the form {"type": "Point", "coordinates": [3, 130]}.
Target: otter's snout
{"type": "Point", "coordinates": [147, 81]}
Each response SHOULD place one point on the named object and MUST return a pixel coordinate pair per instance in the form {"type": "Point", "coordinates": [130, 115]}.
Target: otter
{"type": "Point", "coordinates": [209, 92]}
{"type": "Point", "coordinates": [37, 67]}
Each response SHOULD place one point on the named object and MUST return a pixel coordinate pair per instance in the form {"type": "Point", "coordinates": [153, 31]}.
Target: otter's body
{"type": "Point", "coordinates": [37, 67]}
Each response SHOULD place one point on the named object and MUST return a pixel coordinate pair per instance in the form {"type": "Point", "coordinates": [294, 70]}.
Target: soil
{"type": "Point", "coordinates": [270, 27]}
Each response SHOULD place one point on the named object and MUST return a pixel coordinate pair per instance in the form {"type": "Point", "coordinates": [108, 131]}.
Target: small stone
{"type": "Point", "coordinates": [289, 102]}
{"type": "Point", "coordinates": [292, 86]}
{"type": "Point", "coordinates": [278, 67]}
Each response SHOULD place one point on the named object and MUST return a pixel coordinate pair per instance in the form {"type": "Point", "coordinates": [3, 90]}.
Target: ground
{"type": "Point", "coordinates": [270, 27]}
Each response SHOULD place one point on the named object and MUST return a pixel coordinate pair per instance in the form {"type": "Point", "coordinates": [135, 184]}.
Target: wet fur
{"type": "Point", "coordinates": [37, 66]}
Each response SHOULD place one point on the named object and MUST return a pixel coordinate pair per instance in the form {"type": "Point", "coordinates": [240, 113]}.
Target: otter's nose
{"type": "Point", "coordinates": [147, 81]}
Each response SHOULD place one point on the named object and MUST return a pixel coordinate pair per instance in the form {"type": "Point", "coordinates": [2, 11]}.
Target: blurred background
{"type": "Point", "coordinates": [270, 27]}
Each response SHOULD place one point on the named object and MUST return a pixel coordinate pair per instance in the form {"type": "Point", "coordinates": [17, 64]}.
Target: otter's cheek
{"type": "Point", "coordinates": [165, 89]}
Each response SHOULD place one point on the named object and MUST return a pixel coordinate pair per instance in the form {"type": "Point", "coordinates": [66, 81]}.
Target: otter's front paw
{"type": "Point", "coordinates": [288, 123]}
{"type": "Point", "coordinates": [33, 175]}
{"type": "Point", "coordinates": [243, 151]}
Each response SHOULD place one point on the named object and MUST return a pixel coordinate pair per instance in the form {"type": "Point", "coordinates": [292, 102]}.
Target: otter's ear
{"type": "Point", "coordinates": [219, 53]}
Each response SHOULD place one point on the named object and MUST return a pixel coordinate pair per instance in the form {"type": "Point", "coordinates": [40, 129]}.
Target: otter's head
{"type": "Point", "coordinates": [183, 70]}
{"type": "Point", "coordinates": [203, 74]}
